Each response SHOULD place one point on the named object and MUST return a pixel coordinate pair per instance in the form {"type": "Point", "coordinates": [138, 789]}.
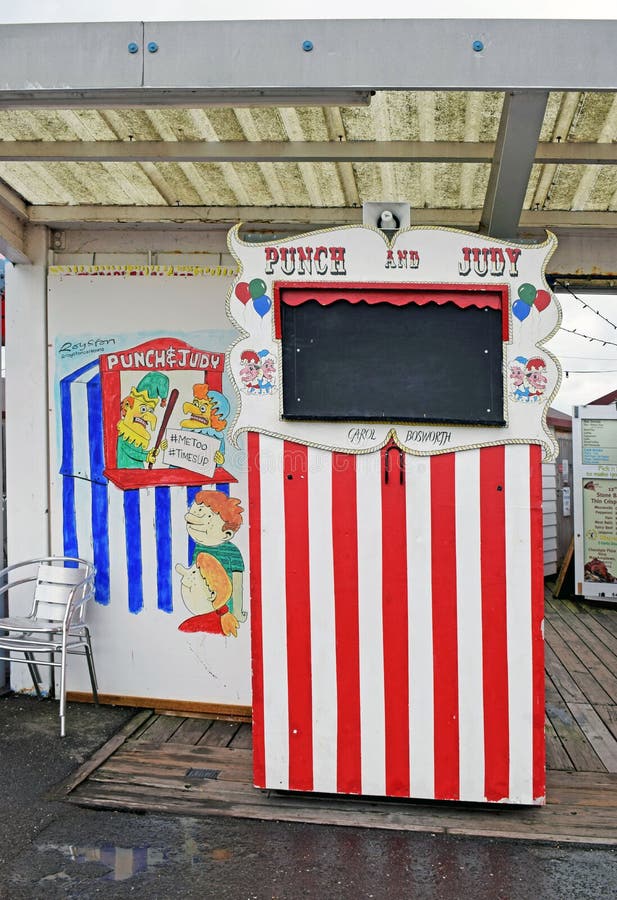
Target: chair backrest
{"type": "Point", "coordinates": [57, 586]}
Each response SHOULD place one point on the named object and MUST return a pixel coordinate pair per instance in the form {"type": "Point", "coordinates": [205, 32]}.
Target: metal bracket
{"type": "Point", "coordinates": [58, 240]}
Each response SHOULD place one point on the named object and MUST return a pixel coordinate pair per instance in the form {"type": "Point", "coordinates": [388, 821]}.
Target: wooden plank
{"type": "Point", "coordinates": [178, 755]}
{"type": "Point", "coordinates": [601, 641]}
{"type": "Point", "coordinates": [157, 782]}
{"type": "Point", "coordinates": [575, 667]}
{"type": "Point", "coordinates": [165, 706]}
{"type": "Point", "coordinates": [606, 617]}
{"type": "Point", "coordinates": [556, 755]}
{"type": "Point", "coordinates": [237, 770]}
{"type": "Point", "coordinates": [547, 823]}
{"type": "Point", "coordinates": [560, 677]}
{"type": "Point", "coordinates": [606, 637]}
{"type": "Point", "coordinates": [103, 753]}
{"type": "Point", "coordinates": [568, 562]}
{"type": "Point", "coordinates": [603, 675]}
{"type": "Point", "coordinates": [220, 734]}
{"type": "Point", "coordinates": [574, 741]}
{"type": "Point", "coordinates": [598, 735]}
{"type": "Point", "coordinates": [148, 720]}
{"type": "Point", "coordinates": [190, 731]}
{"type": "Point", "coordinates": [579, 781]}
{"type": "Point", "coordinates": [243, 738]}
{"type": "Point", "coordinates": [161, 729]}
{"type": "Point", "coordinates": [608, 714]}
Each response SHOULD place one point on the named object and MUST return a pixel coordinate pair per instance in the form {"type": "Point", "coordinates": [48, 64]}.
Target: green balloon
{"type": "Point", "coordinates": [527, 293]}
{"type": "Point", "coordinates": [257, 287]}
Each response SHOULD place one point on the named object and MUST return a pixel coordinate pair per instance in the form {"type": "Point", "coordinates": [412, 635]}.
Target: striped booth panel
{"type": "Point", "coordinates": [397, 606]}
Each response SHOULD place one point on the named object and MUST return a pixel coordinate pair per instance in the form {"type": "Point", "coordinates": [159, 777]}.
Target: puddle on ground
{"type": "Point", "coordinates": [124, 862]}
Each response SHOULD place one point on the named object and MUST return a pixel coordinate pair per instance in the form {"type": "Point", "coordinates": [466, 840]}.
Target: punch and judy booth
{"type": "Point", "coordinates": [394, 397]}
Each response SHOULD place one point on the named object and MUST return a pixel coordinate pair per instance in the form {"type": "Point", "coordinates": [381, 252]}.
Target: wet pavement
{"type": "Point", "coordinates": [50, 848]}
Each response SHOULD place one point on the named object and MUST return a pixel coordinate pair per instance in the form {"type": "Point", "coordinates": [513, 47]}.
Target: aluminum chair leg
{"type": "Point", "coordinates": [35, 675]}
{"type": "Point", "coordinates": [91, 669]}
{"type": "Point", "coordinates": [63, 686]}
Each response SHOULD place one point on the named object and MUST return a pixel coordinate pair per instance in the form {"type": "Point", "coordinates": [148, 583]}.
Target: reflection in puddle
{"type": "Point", "coordinates": [123, 862]}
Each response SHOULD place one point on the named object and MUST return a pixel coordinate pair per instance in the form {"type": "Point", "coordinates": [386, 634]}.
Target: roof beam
{"type": "Point", "coordinates": [60, 217]}
{"type": "Point", "coordinates": [519, 130]}
{"type": "Point", "coordinates": [583, 153]}
{"type": "Point", "coordinates": [12, 237]}
{"type": "Point", "coordinates": [89, 63]}
{"type": "Point", "coordinates": [11, 201]}
{"type": "Point", "coordinates": [13, 221]}
{"type": "Point", "coordinates": [247, 151]}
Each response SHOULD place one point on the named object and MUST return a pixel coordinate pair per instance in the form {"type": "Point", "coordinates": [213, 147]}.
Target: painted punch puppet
{"type": "Point", "coordinates": [535, 374]}
{"type": "Point", "coordinates": [138, 422]}
{"type": "Point", "coordinates": [212, 521]}
{"type": "Point", "coordinates": [207, 414]}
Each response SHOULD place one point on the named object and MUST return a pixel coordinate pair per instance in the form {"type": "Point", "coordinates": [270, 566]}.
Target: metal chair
{"type": "Point", "coordinates": [55, 624]}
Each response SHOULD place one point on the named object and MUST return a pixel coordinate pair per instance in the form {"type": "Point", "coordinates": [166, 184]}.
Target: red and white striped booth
{"type": "Point", "coordinates": [396, 561]}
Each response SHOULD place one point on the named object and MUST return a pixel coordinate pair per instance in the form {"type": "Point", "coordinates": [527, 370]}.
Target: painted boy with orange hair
{"type": "Point", "coordinates": [206, 590]}
{"type": "Point", "coordinates": [212, 521]}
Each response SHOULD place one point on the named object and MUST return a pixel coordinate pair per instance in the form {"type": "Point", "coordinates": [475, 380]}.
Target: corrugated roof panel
{"type": "Point", "coordinates": [210, 124]}
{"type": "Point", "coordinates": [553, 108]}
{"type": "Point", "coordinates": [309, 121]}
{"type": "Point", "coordinates": [563, 187]}
{"type": "Point", "coordinates": [292, 183]}
{"type": "Point", "coordinates": [602, 188]}
{"type": "Point", "coordinates": [533, 185]}
{"type": "Point", "coordinates": [261, 124]}
{"type": "Point", "coordinates": [591, 118]}
{"type": "Point", "coordinates": [23, 179]}
{"type": "Point", "coordinates": [427, 116]}
{"type": "Point", "coordinates": [369, 181]}
{"type": "Point", "coordinates": [179, 185]}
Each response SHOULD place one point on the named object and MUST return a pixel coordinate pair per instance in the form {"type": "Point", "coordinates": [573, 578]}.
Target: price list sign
{"type": "Point", "coordinates": [600, 523]}
{"type": "Point", "coordinates": [599, 442]}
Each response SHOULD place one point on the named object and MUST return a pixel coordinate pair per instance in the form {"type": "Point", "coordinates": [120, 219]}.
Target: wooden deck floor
{"type": "Point", "coordinates": [195, 766]}
{"type": "Point", "coordinates": [581, 687]}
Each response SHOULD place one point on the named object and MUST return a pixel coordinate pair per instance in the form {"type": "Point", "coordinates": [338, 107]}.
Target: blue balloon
{"type": "Point", "coordinates": [262, 305]}
{"type": "Point", "coordinates": [520, 309]}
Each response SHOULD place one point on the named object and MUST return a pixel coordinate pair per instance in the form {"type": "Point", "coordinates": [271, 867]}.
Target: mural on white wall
{"type": "Point", "coordinates": [147, 485]}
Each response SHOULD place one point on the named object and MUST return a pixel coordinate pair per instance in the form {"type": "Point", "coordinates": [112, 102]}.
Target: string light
{"type": "Point", "coordinates": [589, 371]}
{"type": "Point", "coordinates": [588, 337]}
{"type": "Point", "coordinates": [592, 309]}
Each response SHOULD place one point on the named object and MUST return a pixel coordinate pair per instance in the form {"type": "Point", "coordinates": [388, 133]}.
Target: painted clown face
{"type": "Point", "coordinates": [248, 373]}
{"type": "Point", "coordinates": [517, 374]}
{"type": "Point", "coordinates": [206, 526]}
{"type": "Point", "coordinates": [269, 369]}
{"type": "Point", "coordinates": [537, 379]}
{"type": "Point", "coordinates": [137, 417]}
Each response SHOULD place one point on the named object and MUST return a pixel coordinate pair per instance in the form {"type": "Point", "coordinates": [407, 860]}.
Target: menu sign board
{"type": "Point", "coordinates": [599, 442]}
{"type": "Point", "coordinates": [600, 528]}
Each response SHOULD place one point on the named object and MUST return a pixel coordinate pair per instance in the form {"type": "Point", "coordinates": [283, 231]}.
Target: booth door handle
{"type": "Point", "coordinates": [401, 465]}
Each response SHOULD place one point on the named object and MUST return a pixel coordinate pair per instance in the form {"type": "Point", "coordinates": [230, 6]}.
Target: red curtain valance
{"type": "Point", "coordinates": [395, 296]}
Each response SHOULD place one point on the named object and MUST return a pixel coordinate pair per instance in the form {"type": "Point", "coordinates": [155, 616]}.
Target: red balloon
{"type": "Point", "coordinates": [242, 292]}
{"type": "Point", "coordinates": [543, 298]}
